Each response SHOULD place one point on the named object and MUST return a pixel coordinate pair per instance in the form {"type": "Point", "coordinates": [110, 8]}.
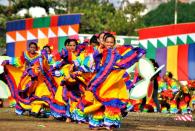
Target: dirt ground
{"type": "Point", "coordinates": [134, 121]}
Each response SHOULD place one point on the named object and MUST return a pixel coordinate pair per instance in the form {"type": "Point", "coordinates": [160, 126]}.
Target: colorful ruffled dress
{"type": "Point", "coordinates": [68, 92]}
{"type": "Point", "coordinates": [109, 85]}
{"type": "Point", "coordinates": [29, 82]}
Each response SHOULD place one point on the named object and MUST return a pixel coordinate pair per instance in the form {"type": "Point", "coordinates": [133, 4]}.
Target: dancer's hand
{"type": "Point", "coordinates": [5, 62]}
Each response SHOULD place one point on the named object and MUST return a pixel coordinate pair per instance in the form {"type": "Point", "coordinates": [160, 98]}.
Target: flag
{"type": "Point", "coordinates": [173, 46]}
{"type": "Point", "coordinates": [51, 30]}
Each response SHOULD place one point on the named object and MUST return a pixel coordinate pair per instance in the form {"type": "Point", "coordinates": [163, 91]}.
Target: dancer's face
{"type": "Point", "coordinates": [32, 49]}
{"type": "Point", "coordinates": [48, 50]}
{"type": "Point", "coordinates": [72, 46]}
{"type": "Point", "coordinates": [109, 43]}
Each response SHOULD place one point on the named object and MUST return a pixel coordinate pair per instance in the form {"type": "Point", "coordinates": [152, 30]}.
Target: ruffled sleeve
{"type": "Point", "coordinates": [128, 56]}
{"type": "Point", "coordinates": [17, 61]}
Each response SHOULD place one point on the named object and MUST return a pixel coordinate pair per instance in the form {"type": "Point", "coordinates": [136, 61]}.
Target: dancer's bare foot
{"type": "Point", "coordinates": [51, 118]}
{"type": "Point", "coordinates": [68, 120]}
{"type": "Point", "coordinates": [110, 128]}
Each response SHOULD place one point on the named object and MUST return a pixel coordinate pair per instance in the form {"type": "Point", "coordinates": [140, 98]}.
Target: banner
{"type": "Point", "coordinates": [51, 30]}
{"type": "Point", "coordinates": [172, 45]}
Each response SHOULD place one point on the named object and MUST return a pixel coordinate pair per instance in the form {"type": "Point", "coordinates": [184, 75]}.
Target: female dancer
{"type": "Point", "coordinates": [29, 82]}
{"type": "Point", "coordinates": [107, 91]}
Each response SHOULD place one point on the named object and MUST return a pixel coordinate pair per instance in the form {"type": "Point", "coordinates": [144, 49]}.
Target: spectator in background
{"type": "Point", "coordinates": [173, 87]}
{"type": "Point", "coordinates": [155, 85]}
{"type": "Point", "coordinates": [172, 83]}
{"type": "Point", "coordinates": [155, 91]}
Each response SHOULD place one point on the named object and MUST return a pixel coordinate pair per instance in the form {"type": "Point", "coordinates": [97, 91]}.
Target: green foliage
{"type": "Point", "coordinates": [101, 15]}
{"type": "Point", "coordinates": [20, 4]}
{"type": "Point", "coordinates": [164, 14]}
{"type": "Point", "coordinates": [5, 16]}
{"type": "Point", "coordinates": [8, 13]}
{"type": "Point", "coordinates": [98, 15]}
{"type": "Point", "coordinates": [136, 20]}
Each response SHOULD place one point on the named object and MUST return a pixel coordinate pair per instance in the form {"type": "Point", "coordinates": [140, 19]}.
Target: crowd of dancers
{"type": "Point", "coordinates": [85, 83]}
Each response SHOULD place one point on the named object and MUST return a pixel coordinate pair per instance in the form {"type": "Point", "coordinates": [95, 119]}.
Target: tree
{"type": "Point", "coordinates": [8, 13]}
{"type": "Point", "coordinates": [5, 16]}
{"type": "Point", "coordinates": [135, 18]}
{"type": "Point", "coordinates": [101, 15]}
{"type": "Point", "coordinates": [20, 4]}
{"type": "Point", "coordinates": [95, 16]}
{"type": "Point", "coordinates": [164, 14]}
{"type": "Point", "coordinates": [98, 15]}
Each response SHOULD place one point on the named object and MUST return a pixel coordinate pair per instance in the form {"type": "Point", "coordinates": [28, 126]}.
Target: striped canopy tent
{"type": "Point", "coordinates": [172, 45]}
{"type": "Point", "coordinates": [51, 30]}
